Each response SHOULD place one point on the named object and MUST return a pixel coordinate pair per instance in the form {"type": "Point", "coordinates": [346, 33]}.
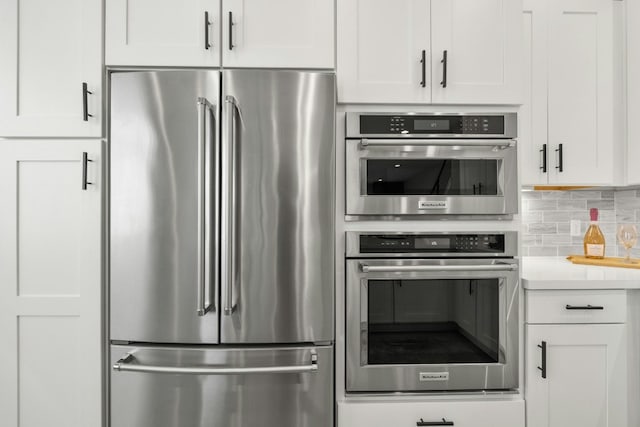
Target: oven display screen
{"type": "Point", "coordinates": [431, 124]}
{"type": "Point", "coordinates": [432, 243]}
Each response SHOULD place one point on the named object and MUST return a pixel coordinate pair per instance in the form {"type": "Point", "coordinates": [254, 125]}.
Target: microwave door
{"type": "Point", "coordinates": [163, 197]}
{"type": "Point", "coordinates": [277, 192]}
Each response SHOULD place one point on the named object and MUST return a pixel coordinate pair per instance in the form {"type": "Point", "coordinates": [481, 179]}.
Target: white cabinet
{"type": "Point", "coordinates": [471, 413]}
{"type": "Point", "coordinates": [576, 358]}
{"type": "Point", "coordinates": [163, 32]}
{"type": "Point", "coordinates": [278, 33]}
{"type": "Point", "coordinates": [233, 33]}
{"type": "Point", "coordinates": [483, 45]}
{"type": "Point", "coordinates": [585, 384]}
{"type": "Point", "coordinates": [392, 51]}
{"type": "Point", "coordinates": [568, 113]}
{"type": "Point", "coordinates": [633, 92]}
{"type": "Point", "coordinates": [49, 49]}
{"type": "Point", "coordinates": [50, 284]}
{"type": "Point", "coordinates": [380, 49]}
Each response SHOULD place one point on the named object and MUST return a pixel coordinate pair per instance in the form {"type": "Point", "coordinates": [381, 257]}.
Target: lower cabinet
{"type": "Point", "coordinates": [50, 283]}
{"type": "Point", "coordinates": [476, 413]}
{"type": "Point", "coordinates": [576, 374]}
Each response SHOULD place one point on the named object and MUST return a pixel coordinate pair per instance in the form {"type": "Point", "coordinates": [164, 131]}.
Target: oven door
{"type": "Point", "coordinates": [431, 177]}
{"type": "Point", "coordinates": [423, 325]}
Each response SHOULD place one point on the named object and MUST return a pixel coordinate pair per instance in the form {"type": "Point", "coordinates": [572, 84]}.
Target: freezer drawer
{"type": "Point", "coordinates": [211, 387]}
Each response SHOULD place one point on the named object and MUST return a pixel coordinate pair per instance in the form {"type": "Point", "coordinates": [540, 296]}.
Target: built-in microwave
{"type": "Point", "coordinates": [432, 311]}
{"type": "Point", "coordinates": [431, 164]}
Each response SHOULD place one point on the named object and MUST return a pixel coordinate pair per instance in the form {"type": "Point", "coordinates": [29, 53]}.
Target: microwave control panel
{"type": "Point", "coordinates": [425, 243]}
{"type": "Point", "coordinates": [424, 125]}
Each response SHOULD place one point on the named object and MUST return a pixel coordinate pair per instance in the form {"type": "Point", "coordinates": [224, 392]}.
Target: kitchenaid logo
{"type": "Point", "coordinates": [442, 204]}
{"type": "Point", "coordinates": [434, 376]}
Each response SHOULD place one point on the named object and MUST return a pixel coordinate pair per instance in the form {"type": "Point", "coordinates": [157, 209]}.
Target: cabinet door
{"type": "Point", "coordinates": [581, 64]}
{"type": "Point", "coordinates": [163, 32]}
{"type": "Point", "coordinates": [380, 49]}
{"type": "Point", "coordinates": [585, 384]}
{"type": "Point", "coordinates": [48, 50]}
{"type": "Point", "coordinates": [532, 134]}
{"type": "Point", "coordinates": [50, 284]}
{"type": "Point", "coordinates": [278, 33]}
{"type": "Point", "coordinates": [483, 44]}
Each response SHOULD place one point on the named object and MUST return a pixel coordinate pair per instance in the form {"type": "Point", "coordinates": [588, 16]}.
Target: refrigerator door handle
{"type": "Point", "coordinates": [229, 201]}
{"type": "Point", "coordinates": [204, 304]}
{"type": "Point", "coordinates": [126, 365]}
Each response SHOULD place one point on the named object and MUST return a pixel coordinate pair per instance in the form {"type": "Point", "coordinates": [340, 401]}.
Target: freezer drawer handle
{"type": "Point", "coordinates": [444, 422]}
{"type": "Point", "coordinates": [584, 307]}
{"type": "Point", "coordinates": [429, 268]}
{"type": "Point", "coordinates": [126, 365]}
{"type": "Point", "coordinates": [365, 143]}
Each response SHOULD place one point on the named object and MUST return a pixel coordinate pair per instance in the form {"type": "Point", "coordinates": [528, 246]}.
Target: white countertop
{"type": "Point", "coordinates": [559, 273]}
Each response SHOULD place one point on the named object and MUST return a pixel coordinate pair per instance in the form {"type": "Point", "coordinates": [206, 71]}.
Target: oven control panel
{"type": "Point", "coordinates": [430, 243]}
{"type": "Point", "coordinates": [425, 125]}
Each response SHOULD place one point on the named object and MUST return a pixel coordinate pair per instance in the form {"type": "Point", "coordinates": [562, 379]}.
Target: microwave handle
{"type": "Point", "coordinates": [364, 142]}
{"type": "Point", "coordinates": [434, 268]}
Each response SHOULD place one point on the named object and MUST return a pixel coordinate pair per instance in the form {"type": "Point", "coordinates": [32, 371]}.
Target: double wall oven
{"type": "Point", "coordinates": [432, 311]}
{"type": "Point", "coordinates": [431, 164]}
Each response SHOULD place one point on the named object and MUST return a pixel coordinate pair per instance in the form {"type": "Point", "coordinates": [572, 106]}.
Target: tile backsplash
{"type": "Point", "coordinates": [546, 217]}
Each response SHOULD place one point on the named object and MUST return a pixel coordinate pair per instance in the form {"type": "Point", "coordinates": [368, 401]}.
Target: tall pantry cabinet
{"type": "Point", "coordinates": [51, 192]}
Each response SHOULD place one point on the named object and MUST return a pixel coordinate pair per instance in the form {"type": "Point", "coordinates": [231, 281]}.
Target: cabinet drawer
{"type": "Point", "coordinates": [409, 414]}
{"type": "Point", "coordinates": [576, 306]}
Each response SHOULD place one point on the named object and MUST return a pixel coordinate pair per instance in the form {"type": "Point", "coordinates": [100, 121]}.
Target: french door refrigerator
{"type": "Point", "coordinates": [221, 262]}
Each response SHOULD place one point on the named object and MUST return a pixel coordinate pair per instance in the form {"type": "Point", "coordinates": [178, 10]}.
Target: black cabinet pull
{"type": "Point", "coordinates": [544, 158]}
{"type": "Point", "coordinates": [560, 162]}
{"type": "Point", "coordinates": [85, 108]}
{"type": "Point", "coordinates": [207, 23]}
{"type": "Point", "coordinates": [231, 30]}
{"type": "Point", "coordinates": [423, 61]}
{"type": "Point", "coordinates": [584, 307]}
{"type": "Point", "coordinates": [434, 423]}
{"type": "Point", "coordinates": [444, 69]}
{"type": "Point", "coordinates": [85, 161]}
{"type": "Point", "coordinates": [543, 368]}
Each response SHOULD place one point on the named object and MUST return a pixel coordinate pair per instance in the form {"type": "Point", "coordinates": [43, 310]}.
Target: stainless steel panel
{"type": "Point", "coordinates": [359, 203]}
{"type": "Point", "coordinates": [281, 399]}
{"type": "Point", "coordinates": [352, 244]}
{"type": "Point", "coordinates": [362, 377]}
{"type": "Point", "coordinates": [510, 126]}
{"type": "Point", "coordinates": [278, 206]}
{"type": "Point", "coordinates": [162, 233]}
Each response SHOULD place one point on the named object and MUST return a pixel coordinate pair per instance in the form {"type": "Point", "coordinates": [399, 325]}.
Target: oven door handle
{"type": "Point", "coordinates": [435, 268]}
{"type": "Point", "coordinates": [364, 143]}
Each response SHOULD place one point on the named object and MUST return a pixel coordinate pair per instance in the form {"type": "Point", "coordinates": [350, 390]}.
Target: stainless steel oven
{"type": "Point", "coordinates": [432, 312]}
{"type": "Point", "coordinates": [431, 164]}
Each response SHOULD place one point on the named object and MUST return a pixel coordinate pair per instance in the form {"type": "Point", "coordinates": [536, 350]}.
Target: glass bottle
{"type": "Point", "coordinates": [594, 239]}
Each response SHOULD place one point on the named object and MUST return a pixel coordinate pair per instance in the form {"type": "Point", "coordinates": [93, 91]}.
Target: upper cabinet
{"type": "Point", "coordinates": [476, 51]}
{"type": "Point", "coordinates": [633, 92]}
{"type": "Point", "coordinates": [429, 51]}
{"type": "Point", "coordinates": [163, 32]}
{"type": "Point", "coordinates": [210, 33]}
{"type": "Point", "coordinates": [567, 121]}
{"type": "Point", "coordinates": [51, 68]}
{"type": "Point", "coordinates": [278, 33]}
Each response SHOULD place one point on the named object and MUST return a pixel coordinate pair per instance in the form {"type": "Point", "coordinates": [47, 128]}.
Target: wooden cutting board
{"type": "Point", "coordinates": [604, 262]}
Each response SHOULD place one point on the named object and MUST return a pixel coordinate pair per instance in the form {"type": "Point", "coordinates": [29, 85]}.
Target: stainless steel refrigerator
{"type": "Point", "coordinates": [221, 266]}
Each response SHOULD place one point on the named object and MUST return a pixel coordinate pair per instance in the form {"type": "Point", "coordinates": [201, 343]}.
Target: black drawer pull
{"type": "Point", "coordinates": [584, 307]}
{"type": "Point", "coordinates": [543, 369]}
{"type": "Point", "coordinates": [560, 165]}
{"type": "Point", "coordinates": [444, 63]}
{"type": "Point", "coordinates": [423, 61]}
{"type": "Point", "coordinates": [85, 160]}
{"type": "Point", "coordinates": [434, 423]}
